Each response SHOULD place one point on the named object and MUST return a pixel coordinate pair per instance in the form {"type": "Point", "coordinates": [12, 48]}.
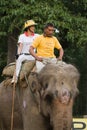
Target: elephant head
{"type": "Point", "coordinates": [58, 89]}
{"type": "Point", "coordinates": [52, 90]}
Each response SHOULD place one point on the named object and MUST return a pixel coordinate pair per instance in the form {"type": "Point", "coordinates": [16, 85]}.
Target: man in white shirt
{"type": "Point", "coordinates": [24, 42]}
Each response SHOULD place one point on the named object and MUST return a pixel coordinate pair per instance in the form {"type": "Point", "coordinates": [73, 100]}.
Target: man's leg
{"type": "Point", "coordinates": [39, 66]}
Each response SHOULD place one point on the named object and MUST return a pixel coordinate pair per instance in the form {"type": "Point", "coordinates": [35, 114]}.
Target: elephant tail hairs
{"type": "Point", "coordinates": [13, 96]}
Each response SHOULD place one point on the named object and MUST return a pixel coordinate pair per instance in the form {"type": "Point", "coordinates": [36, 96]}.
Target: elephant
{"type": "Point", "coordinates": [43, 101]}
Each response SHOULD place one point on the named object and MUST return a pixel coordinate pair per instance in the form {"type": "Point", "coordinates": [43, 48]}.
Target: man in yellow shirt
{"type": "Point", "coordinates": [45, 44]}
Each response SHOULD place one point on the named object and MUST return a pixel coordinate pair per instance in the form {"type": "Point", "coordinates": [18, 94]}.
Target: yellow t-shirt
{"type": "Point", "coordinates": [45, 45]}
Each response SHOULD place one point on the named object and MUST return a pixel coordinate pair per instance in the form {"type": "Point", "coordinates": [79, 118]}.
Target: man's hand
{"type": "Point", "coordinates": [61, 52]}
{"type": "Point", "coordinates": [17, 55]}
{"type": "Point", "coordinates": [39, 58]}
{"type": "Point", "coordinates": [59, 58]}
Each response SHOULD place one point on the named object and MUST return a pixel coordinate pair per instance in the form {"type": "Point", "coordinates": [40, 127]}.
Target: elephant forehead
{"type": "Point", "coordinates": [54, 83]}
{"type": "Point", "coordinates": [55, 78]}
{"type": "Point", "coordinates": [67, 70]}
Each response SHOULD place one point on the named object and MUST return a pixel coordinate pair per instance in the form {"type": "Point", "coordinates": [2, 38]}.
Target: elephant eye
{"type": "Point", "coordinates": [33, 86]}
{"type": "Point", "coordinates": [62, 83]}
{"type": "Point", "coordinates": [46, 85]}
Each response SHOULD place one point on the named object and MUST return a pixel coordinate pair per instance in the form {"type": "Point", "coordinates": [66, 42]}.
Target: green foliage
{"type": "Point", "coordinates": [16, 12]}
{"type": "Point", "coordinates": [77, 6]}
{"type": "Point", "coordinates": [3, 56]}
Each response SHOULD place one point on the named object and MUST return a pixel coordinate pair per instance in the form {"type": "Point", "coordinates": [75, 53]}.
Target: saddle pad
{"type": "Point", "coordinates": [26, 68]}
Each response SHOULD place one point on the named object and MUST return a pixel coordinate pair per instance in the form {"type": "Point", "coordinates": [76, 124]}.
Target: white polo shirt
{"type": "Point", "coordinates": [26, 41]}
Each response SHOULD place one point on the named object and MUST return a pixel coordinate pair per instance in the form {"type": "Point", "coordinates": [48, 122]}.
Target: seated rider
{"type": "Point", "coordinates": [24, 42]}
{"type": "Point", "coordinates": [45, 44]}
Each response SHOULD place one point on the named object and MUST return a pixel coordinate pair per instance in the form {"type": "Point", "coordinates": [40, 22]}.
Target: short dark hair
{"type": "Point", "coordinates": [48, 25]}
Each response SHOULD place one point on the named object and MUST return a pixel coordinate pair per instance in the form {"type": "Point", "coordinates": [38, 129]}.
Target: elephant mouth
{"type": "Point", "coordinates": [49, 98]}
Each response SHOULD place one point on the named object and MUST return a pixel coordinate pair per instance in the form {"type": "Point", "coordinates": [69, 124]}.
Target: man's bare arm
{"type": "Point", "coordinates": [31, 50]}
{"type": "Point", "coordinates": [61, 52]}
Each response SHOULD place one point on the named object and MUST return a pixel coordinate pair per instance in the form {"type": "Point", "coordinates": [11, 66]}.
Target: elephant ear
{"type": "Point", "coordinates": [33, 82]}
{"type": "Point", "coordinates": [35, 87]}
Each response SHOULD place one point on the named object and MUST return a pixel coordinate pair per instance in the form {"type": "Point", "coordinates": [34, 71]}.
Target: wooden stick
{"type": "Point", "coordinates": [13, 99]}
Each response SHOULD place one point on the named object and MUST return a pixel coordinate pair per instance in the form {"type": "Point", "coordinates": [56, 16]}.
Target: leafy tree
{"type": "Point", "coordinates": [77, 6]}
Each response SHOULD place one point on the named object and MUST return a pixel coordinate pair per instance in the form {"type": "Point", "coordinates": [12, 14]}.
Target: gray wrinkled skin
{"type": "Point", "coordinates": [44, 103]}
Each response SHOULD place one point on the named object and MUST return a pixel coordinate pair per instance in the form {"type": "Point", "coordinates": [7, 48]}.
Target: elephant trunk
{"type": "Point", "coordinates": [64, 96]}
{"type": "Point", "coordinates": [61, 117]}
